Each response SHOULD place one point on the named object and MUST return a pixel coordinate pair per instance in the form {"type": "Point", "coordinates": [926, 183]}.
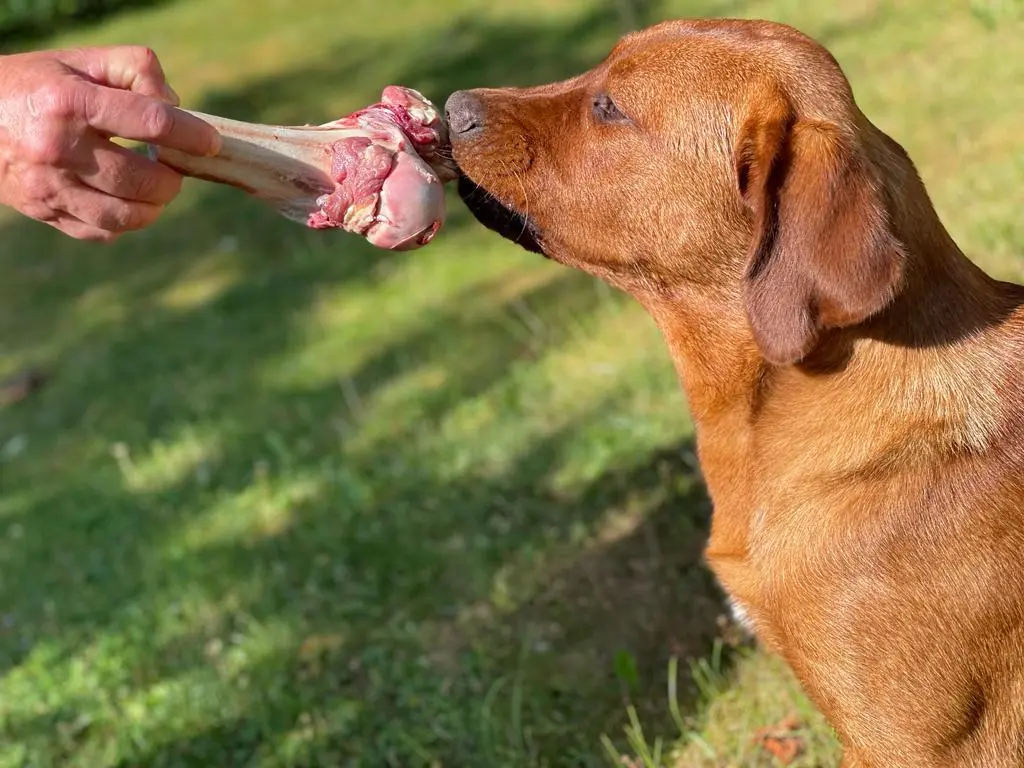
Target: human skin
{"type": "Point", "coordinates": [59, 110]}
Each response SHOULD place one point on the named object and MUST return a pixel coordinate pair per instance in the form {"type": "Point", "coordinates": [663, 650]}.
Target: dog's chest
{"type": "Point", "coordinates": [746, 575]}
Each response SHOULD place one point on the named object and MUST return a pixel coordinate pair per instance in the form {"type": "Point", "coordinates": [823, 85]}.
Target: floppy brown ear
{"type": "Point", "coordinates": [823, 254]}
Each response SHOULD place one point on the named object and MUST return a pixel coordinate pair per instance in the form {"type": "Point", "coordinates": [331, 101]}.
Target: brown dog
{"type": "Point", "coordinates": [857, 383]}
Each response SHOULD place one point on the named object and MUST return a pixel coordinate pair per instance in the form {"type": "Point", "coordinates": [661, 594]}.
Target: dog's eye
{"type": "Point", "coordinates": [607, 111]}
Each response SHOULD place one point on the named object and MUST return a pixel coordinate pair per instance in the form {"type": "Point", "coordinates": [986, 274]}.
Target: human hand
{"type": "Point", "coordinates": [58, 112]}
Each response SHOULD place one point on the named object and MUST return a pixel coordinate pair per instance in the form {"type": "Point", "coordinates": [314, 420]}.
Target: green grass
{"type": "Point", "coordinates": [293, 501]}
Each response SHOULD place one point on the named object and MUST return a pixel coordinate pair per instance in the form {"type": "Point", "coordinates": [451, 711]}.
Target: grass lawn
{"type": "Point", "coordinates": [292, 501]}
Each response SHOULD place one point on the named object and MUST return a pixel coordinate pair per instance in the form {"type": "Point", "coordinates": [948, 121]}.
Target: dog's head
{"type": "Point", "coordinates": [724, 157]}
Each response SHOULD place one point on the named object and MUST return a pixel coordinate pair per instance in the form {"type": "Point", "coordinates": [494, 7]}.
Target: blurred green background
{"type": "Point", "coordinates": [24, 18]}
{"type": "Point", "coordinates": [291, 501]}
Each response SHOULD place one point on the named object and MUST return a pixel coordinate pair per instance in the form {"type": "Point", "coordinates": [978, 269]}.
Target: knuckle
{"type": "Point", "coordinates": [83, 231]}
{"type": "Point", "coordinates": [110, 217]}
{"type": "Point", "coordinates": [144, 57]}
{"type": "Point", "coordinates": [44, 146]}
{"type": "Point", "coordinates": [121, 182]}
{"type": "Point", "coordinates": [136, 185]}
{"type": "Point", "coordinates": [38, 211]}
{"type": "Point", "coordinates": [96, 235]}
{"type": "Point", "coordinates": [152, 186]}
{"type": "Point", "coordinates": [125, 217]}
{"type": "Point", "coordinates": [101, 236]}
{"type": "Point", "coordinates": [158, 120]}
{"type": "Point", "coordinates": [54, 101]}
{"type": "Point", "coordinates": [37, 186]}
{"type": "Point", "coordinates": [133, 186]}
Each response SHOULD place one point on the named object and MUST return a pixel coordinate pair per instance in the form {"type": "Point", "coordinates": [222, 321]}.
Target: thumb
{"type": "Point", "coordinates": [127, 67]}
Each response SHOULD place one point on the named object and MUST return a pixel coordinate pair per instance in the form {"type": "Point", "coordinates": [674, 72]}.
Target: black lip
{"type": "Point", "coordinates": [497, 217]}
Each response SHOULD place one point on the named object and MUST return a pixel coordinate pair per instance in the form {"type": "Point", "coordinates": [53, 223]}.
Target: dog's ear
{"type": "Point", "coordinates": [823, 253]}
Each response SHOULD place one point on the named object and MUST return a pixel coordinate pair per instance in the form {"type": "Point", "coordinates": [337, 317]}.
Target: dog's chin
{"type": "Point", "coordinates": [499, 218]}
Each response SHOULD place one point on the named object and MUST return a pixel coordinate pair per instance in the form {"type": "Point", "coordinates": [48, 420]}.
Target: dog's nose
{"type": "Point", "coordinates": [464, 113]}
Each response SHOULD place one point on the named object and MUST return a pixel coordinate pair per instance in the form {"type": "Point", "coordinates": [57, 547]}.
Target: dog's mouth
{"type": "Point", "coordinates": [499, 218]}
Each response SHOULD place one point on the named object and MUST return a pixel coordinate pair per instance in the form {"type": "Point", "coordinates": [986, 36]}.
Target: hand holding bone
{"type": "Point", "coordinates": [58, 112]}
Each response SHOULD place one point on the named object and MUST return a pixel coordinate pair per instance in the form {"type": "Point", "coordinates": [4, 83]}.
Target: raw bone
{"type": "Point", "coordinates": [379, 173]}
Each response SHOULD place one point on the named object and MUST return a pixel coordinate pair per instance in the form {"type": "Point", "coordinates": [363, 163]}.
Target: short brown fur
{"type": "Point", "coordinates": [856, 381]}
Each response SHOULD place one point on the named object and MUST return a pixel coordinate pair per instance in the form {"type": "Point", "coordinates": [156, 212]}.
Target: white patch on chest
{"type": "Point", "coordinates": [740, 612]}
{"type": "Point", "coordinates": [741, 616]}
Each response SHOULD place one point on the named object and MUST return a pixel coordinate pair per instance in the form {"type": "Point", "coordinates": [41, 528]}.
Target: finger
{"type": "Point", "coordinates": [79, 230]}
{"type": "Point", "coordinates": [140, 118]}
{"type": "Point", "coordinates": [126, 67]}
{"type": "Point", "coordinates": [105, 212]}
{"type": "Point", "coordinates": [119, 172]}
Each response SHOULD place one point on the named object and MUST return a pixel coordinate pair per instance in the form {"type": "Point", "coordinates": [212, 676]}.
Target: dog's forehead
{"type": "Point", "coordinates": [727, 61]}
{"type": "Point", "coordinates": [668, 73]}
{"type": "Point", "coordinates": [678, 53]}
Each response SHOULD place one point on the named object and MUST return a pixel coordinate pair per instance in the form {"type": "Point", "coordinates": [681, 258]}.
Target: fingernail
{"type": "Point", "coordinates": [217, 145]}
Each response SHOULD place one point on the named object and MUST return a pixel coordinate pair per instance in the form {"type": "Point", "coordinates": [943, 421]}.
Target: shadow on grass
{"type": "Point", "coordinates": [374, 553]}
{"type": "Point", "coordinates": [534, 687]}
{"type": "Point", "coordinates": [384, 540]}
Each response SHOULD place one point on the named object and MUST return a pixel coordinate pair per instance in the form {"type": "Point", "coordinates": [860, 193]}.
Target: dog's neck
{"type": "Point", "coordinates": [912, 384]}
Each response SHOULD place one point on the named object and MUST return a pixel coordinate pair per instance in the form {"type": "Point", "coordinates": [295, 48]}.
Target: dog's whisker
{"type": "Point", "coordinates": [508, 170]}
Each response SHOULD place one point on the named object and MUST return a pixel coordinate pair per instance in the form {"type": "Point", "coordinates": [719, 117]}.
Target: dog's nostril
{"type": "Point", "coordinates": [464, 113]}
